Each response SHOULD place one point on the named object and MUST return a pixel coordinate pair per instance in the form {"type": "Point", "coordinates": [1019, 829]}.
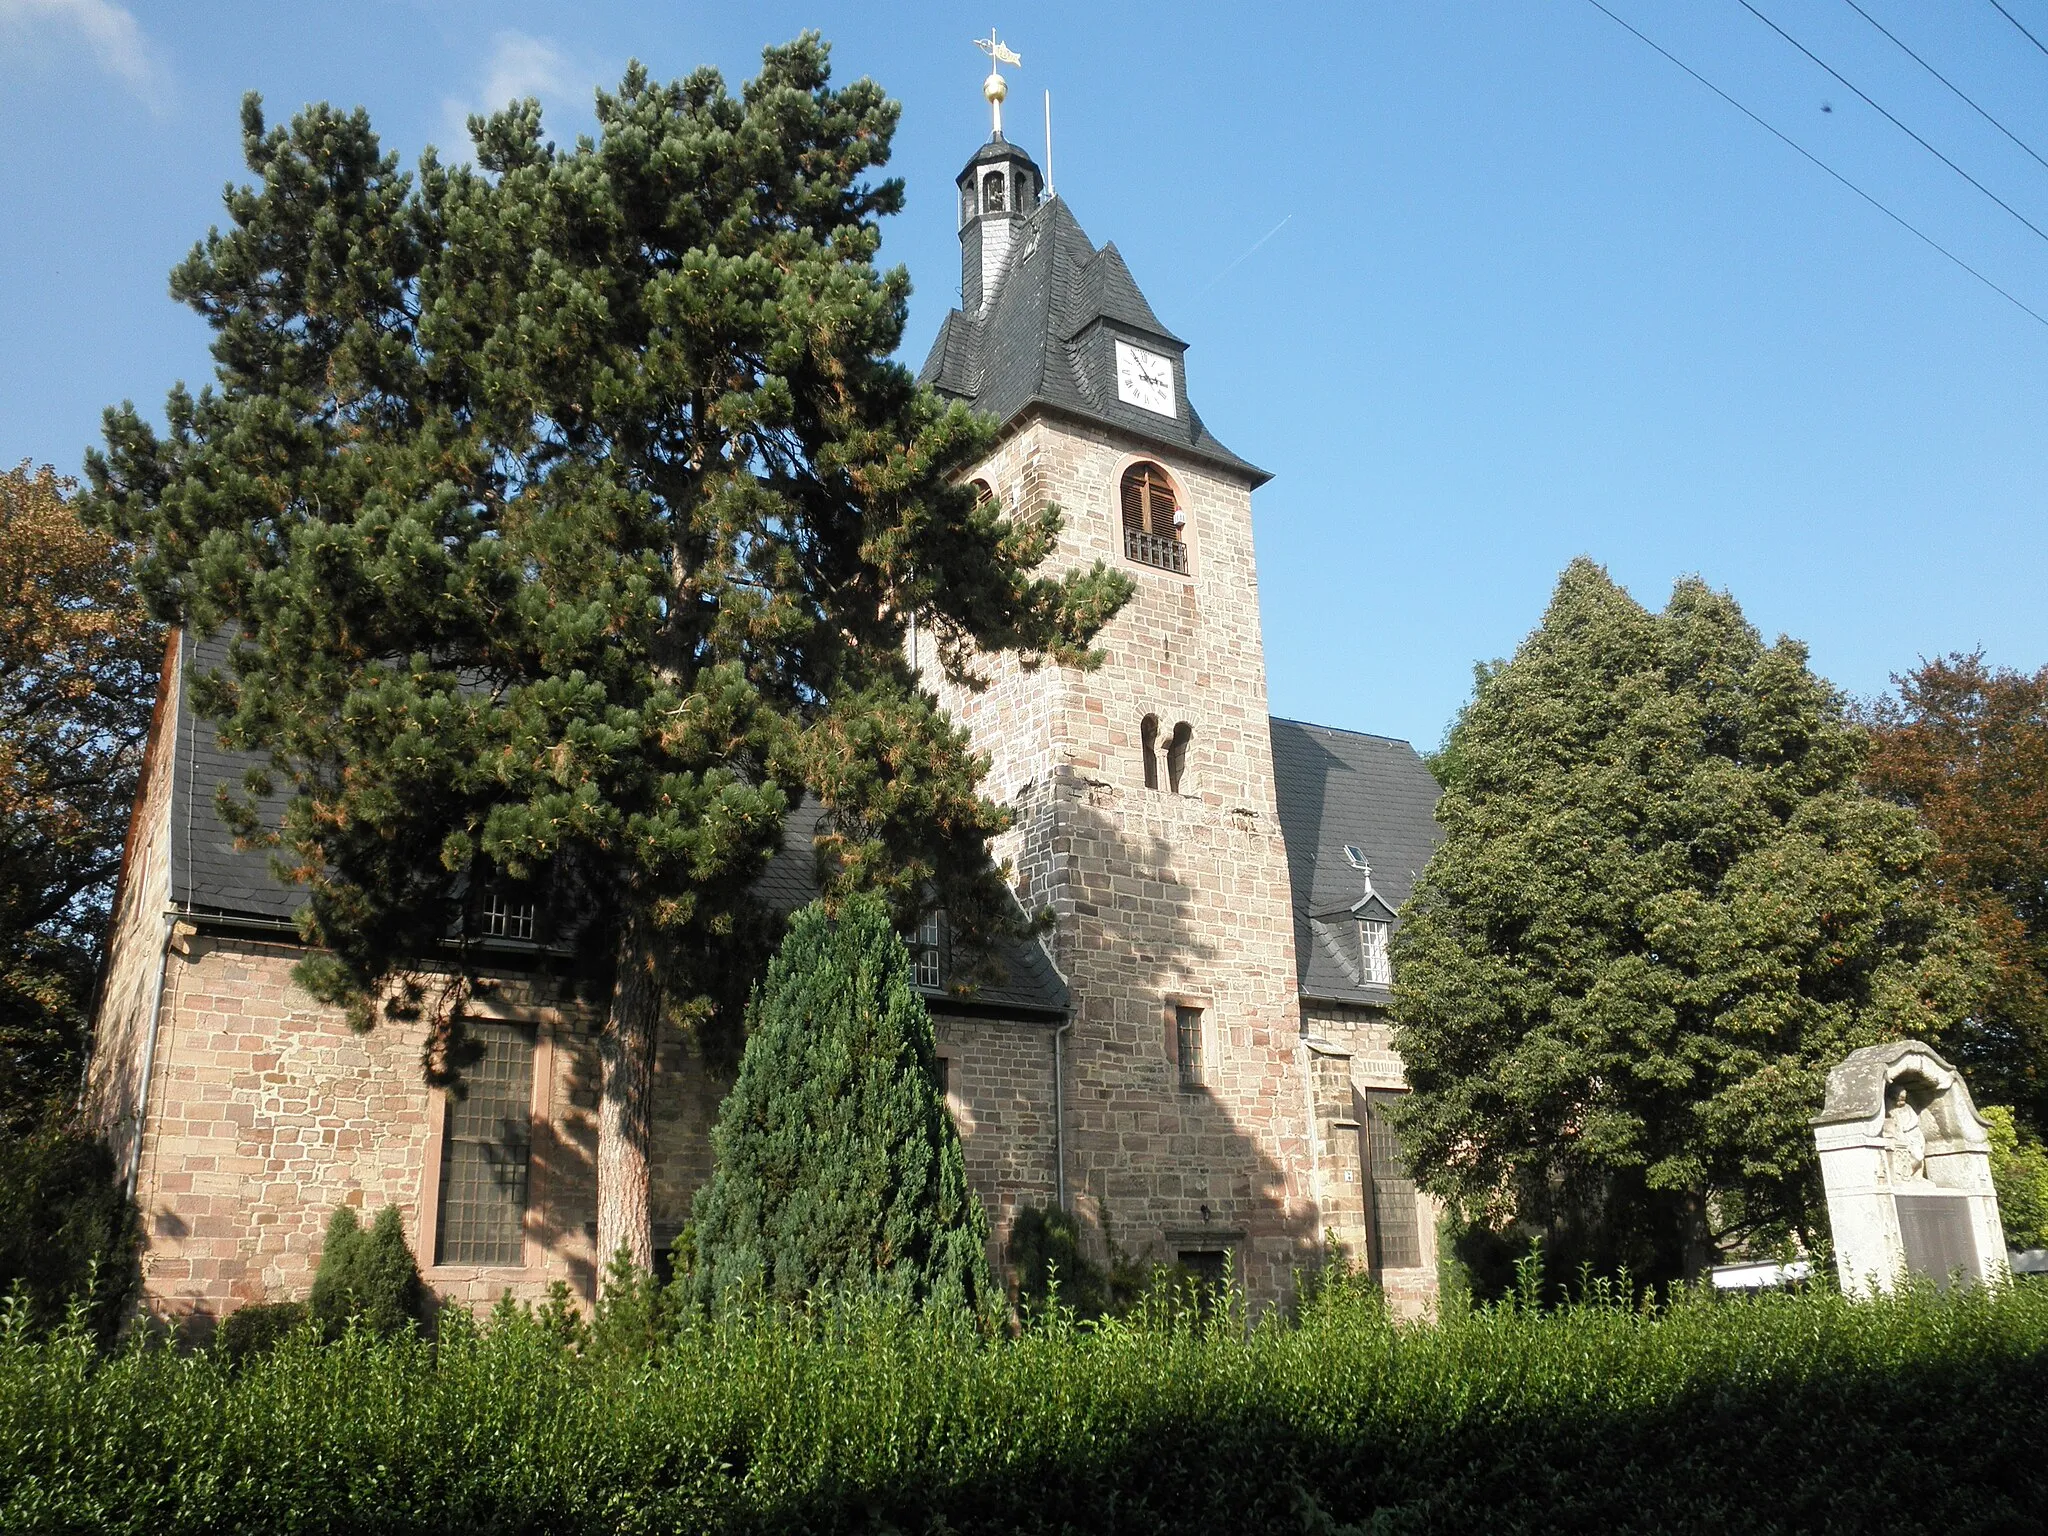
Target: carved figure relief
{"type": "Point", "coordinates": [1905, 1134]}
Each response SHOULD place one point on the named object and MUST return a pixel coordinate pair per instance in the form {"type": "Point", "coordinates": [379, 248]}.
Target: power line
{"type": "Point", "coordinates": [2008, 15]}
{"type": "Point", "coordinates": [1910, 229]}
{"type": "Point", "coordinates": [1944, 159]}
{"type": "Point", "coordinates": [1944, 79]}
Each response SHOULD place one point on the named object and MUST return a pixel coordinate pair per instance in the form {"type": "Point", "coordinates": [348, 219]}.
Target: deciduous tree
{"type": "Point", "coordinates": [78, 661]}
{"type": "Point", "coordinates": [1966, 745]}
{"type": "Point", "coordinates": [1664, 906]}
{"type": "Point", "coordinates": [569, 514]}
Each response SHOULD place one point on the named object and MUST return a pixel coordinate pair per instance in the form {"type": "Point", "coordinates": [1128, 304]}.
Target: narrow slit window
{"type": "Point", "coordinates": [1148, 739]}
{"type": "Point", "coordinates": [1177, 755]}
{"type": "Point", "coordinates": [486, 1153]}
{"type": "Point", "coordinates": [1187, 1029]}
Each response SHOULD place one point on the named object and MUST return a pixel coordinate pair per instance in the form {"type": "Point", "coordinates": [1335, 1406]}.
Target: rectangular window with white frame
{"type": "Point", "coordinates": [1376, 964]}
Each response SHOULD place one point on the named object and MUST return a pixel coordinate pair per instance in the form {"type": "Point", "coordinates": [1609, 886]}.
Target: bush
{"type": "Point", "coordinates": [67, 1232]}
{"type": "Point", "coordinates": [1760, 1415]}
{"type": "Point", "coordinates": [367, 1277]}
{"type": "Point", "coordinates": [1045, 1248]}
{"type": "Point", "coordinates": [257, 1329]}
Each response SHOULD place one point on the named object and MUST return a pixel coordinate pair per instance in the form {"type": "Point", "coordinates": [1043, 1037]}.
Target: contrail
{"type": "Point", "coordinates": [1269, 234]}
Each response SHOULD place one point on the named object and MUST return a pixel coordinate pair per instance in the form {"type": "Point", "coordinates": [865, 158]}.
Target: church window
{"type": "Point", "coordinates": [486, 1149]}
{"type": "Point", "coordinates": [1376, 966]}
{"type": "Point", "coordinates": [1187, 1031]}
{"type": "Point", "coordinates": [928, 952]}
{"type": "Point", "coordinates": [1177, 755]}
{"type": "Point", "coordinates": [992, 192]}
{"type": "Point", "coordinates": [1152, 519]}
{"type": "Point", "coordinates": [1148, 739]}
{"type": "Point", "coordinates": [1396, 1234]}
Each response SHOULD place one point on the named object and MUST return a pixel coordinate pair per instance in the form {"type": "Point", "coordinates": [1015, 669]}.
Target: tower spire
{"type": "Point", "coordinates": [995, 88]}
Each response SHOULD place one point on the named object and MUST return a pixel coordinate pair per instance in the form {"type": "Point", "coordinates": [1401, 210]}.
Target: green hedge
{"type": "Point", "coordinates": [1791, 1412]}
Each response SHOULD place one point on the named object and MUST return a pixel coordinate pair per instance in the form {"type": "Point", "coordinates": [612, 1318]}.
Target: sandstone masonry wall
{"type": "Point", "coordinates": [1161, 899]}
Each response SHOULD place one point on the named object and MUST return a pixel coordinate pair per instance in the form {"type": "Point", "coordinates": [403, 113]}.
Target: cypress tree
{"type": "Point", "coordinates": [1664, 906]}
{"type": "Point", "coordinates": [570, 516]}
{"type": "Point", "coordinates": [837, 1162]}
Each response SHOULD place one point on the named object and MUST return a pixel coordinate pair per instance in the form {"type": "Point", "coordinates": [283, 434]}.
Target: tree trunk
{"type": "Point", "coordinates": [626, 1093]}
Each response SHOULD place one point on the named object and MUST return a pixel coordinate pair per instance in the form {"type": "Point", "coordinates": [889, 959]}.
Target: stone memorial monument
{"type": "Point", "coordinates": [1907, 1167]}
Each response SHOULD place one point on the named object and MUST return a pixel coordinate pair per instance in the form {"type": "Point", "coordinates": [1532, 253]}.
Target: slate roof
{"type": "Point", "coordinates": [1025, 349]}
{"type": "Point", "coordinates": [1337, 787]}
{"type": "Point", "coordinates": [210, 877]}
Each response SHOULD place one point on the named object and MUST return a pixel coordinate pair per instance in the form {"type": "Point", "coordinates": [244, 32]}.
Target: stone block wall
{"type": "Point", "coordinates": [266, 1111]}
{"type": "Point", "coordinates": [1361, 1038]}
{"type": "Point", "coordinates": [136, 936]}
{"type": "Point", "coordinates": [1161, 899]}
{"type": "Point", "coordinates": [1001, 1098]}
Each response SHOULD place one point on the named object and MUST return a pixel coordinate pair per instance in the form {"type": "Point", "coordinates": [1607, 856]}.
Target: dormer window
{"type": "Point", "coordinates": [1376, 965]}
{"type": "Point", "coordinates": [1152, 519]}
{"type": "Point", "coordinates": [507, 918]}
{"type": "Point", "coordinates": [928, 952]}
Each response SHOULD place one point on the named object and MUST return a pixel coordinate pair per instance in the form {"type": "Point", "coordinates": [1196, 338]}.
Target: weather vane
{"type": "Point", "coordinates": [994, 87]}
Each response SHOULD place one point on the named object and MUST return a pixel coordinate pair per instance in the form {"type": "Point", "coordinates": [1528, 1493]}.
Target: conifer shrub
{"type": "Point", "coordinates": [368, 1277]}
{"type": "Point", "coordinates": [837, 1164]}
{"type": "Point", "coordinates": [68, 1232]}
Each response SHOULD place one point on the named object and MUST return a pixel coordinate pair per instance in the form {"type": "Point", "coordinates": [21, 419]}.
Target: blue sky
{"type": "Point", "coordinates": [1526, 291]}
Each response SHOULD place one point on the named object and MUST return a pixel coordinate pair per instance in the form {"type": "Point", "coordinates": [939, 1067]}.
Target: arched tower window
{"type": "Point", "coordinates": [992, 198]}
{"type": "Point", "coordinates": [1177, 755]}
{"type": "Point", "coordinates": [1152, 519]}
{"type": "Point", "coordinates": [983, 493]}
{"type": "Point", "coordinates": [1148, 737]}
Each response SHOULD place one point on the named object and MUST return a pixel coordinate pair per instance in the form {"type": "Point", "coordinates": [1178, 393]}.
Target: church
{"type": "Point", "coordinates": [1196, 1059]}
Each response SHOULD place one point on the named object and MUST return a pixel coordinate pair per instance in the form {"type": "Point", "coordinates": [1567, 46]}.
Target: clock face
{"type": "Point", "coordinates": [1144, 379]}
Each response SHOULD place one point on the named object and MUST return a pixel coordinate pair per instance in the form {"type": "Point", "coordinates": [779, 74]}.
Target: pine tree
{"type": "Point", "coordinates": [569, 516]}
{"type": "Point", "coordinates": [1663, 908]}
{"type": "Point", "coordinates": [837, 1164]}
{"type": "Point", "coordinates": [367, 1275]}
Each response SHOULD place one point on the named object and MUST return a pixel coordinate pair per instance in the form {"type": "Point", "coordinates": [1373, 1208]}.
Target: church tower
{"type": "Point", "coordinates": [1143, 792]}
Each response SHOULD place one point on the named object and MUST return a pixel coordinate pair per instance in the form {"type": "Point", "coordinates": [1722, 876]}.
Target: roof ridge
{"type": "Point", "coordinates": [1342, 730]}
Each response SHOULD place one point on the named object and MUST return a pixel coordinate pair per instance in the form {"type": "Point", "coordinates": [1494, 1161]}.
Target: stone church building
{"type": "Point", "coordinates": [1197, 1060]}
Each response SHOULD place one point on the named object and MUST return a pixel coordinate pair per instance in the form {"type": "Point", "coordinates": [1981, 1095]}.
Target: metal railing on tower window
{"type": "Point", "coordinates": [1156, 549]}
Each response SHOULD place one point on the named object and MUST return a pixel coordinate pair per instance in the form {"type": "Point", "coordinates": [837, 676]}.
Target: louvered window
{"type": "Point", "coordinates": [485, 1153]}
{"type": "Point", "coordinates": [1151, 532]}
{"type": "Point", "coordinates": [1396, 1233]}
